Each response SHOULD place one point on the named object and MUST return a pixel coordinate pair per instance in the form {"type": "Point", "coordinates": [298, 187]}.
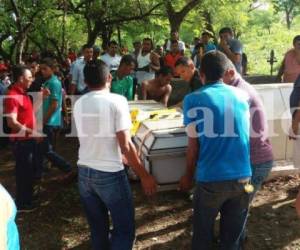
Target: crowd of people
{"type": "Point", "coordinates": [228, 156]}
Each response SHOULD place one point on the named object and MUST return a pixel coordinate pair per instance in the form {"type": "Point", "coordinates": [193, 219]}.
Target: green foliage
{"type": "Point", "coordinates": [259, 24]}
{"type": "Point", "coordinates": [291, 8]}
{"type": "Point", "coordinates": [266, 31]}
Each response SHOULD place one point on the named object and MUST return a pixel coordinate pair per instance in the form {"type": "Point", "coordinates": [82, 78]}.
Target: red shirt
{"type": "Point", "coordinates": [3, 68]}
{"type": "Point", "coordinates": [171, 59]}
{"type": "Point", "coordinates": [18, 102]}
{"type": "Point", "coordinates": [72, 56]}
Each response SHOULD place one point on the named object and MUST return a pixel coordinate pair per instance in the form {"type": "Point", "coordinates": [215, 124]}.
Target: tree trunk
{"type": "Point", "coordinates": [92, 37]}
{"type": "Point", "coordinates": [175, 24]}
{"type": "Point", "coordinates": [288, 21]}
{"type": "Point", "coordinates": [119, 36]}
{"type": "Point", "coordinates": [288, 18]}
{"type": "Point", "coordinates": [93, 32]}
{"type": "Point", "coordinates": [55, 45]}
{"type": "Point", "coordinates": [19, 48]}
{"type": "Point", "coordinates": [63, 38]}
{"type": "Point", "coordinates": [209, 25]}
{"type": "Point", "coordinates": [105, 37]}
{"type": "Point", "coordinates": [176, 17]}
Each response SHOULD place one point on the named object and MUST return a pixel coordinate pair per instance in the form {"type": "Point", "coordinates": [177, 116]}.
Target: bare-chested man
{"type": "Point", "coordinates": [158, 89]}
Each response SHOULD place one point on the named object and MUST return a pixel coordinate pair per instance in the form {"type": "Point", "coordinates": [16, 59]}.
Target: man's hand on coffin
{"type": "Point", "coordinates": [149, 185]}
{"type": "Point", "coordinates": [186, 183]}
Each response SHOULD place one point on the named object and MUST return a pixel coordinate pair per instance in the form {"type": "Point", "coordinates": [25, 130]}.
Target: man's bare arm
{"type": "Point", "coordinates": [167, 95]}
{"type": "Point", "coordinates": [128, 149]}
{"type": "Point", "coordinates": [17, 127]}
{"type": "Point", "coordinates": [186, 181]}
{"type": "Point", "coordinates": [53, 106]}
{"type": "Point", "coordinates": [234, 57]}
{"type": "Point", "coordinates": [280, 71]}
{"type": "Point", "coordinates": [295, 124]}
{"type": "Point", "coordinates": [144, 89]}
{"type": "Point", "coordinates": [192, 156]}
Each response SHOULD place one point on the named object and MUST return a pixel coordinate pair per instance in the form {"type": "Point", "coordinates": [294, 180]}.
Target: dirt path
{"type": "Point", "coordinates": [162, 223]}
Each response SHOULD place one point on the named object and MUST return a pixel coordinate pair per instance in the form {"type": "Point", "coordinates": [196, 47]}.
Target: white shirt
{"type": "Point", "coordinates": [143, 61]}
{"type": "Point", "coordinates": [99, 115]}
{"type": "Point", "coordinates": [181, 45]}
{"type": "Point", "coordinates": [112, 62]}
{"type": "Point", "coordinates": [77, 74]}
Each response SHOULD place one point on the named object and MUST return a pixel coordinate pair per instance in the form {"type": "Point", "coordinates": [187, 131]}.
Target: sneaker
{"type": "Point", "coordinates": [27, 208]}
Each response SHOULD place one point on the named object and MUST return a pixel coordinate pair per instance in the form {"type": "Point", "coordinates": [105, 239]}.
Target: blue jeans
{"type": "Point", "coordinates": [230, 199]}
{"type": "Point", "coordinates": [259, 173]}
{"type": "Point", "coordinates": [103, 192]}
{"type": "Point", "coordinates": [45, 149]}
{"type": "Point", "coordinates": [25, 163]}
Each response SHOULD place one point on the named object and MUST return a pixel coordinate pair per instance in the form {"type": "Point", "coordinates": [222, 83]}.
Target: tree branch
{"type": "Point", "coordinates": [132, 18]}
{"type": "Point", "coordinates": [188, 7]}
{"type": "Point", "coordinates": [17, 14]}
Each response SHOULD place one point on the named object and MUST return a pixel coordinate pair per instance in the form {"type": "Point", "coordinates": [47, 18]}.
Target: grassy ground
{"type": "Point", "coordinates": [163, 222]}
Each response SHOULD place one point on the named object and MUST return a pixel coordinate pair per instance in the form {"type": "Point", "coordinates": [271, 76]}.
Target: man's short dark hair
{"type": "Point", "coordinates": [48, 62]}
{"type": "Point", "coordinates": [112, 42]}
{"type": "Point", "coordinates": [150, 40]}
{"type": "Point", "coordinates": [198, 46]}
{"type": "Point", "coordinates": [184, 61]}
{"type": "Point", "coordinates": [206, 33]}
{"type": "Point", "coordinates": [165, 70]}
{"type": "Point", "coordinates": [296, 39]}
{"type": "Point", "coordinates": [86, 46]}
{"type": "Point", "coordinates": [213, 65]}
{"type": "Point", "coordinates": [136, 42]}
{"type": "Point", "coordinates": [18, 71]}
{"type": "Point", "coordinates": [128, 60]}
{"type": "Point", "coordinates": [226, 30]}
{"type": "Point", "coordinates": [95, 73]}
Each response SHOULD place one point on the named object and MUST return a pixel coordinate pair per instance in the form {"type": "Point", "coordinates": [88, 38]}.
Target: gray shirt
{"type": "Point", "coordinates": [236, 47]}
{"type": "Point", "coordinates": [77, 74]}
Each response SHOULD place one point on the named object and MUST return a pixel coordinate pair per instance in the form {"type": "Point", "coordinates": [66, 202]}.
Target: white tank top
{"type": "Point", "coordinates": [143, 60]}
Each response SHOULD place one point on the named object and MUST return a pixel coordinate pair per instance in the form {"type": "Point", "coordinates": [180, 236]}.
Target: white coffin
{"type": "Point", "coordinates": [146, 105]}
{"type": "Point", "coordinates": [275, 98]}
{"type": "Point", "coordinates": [162, 148]}
{"type": "Point", "coordinates": [162, 134]}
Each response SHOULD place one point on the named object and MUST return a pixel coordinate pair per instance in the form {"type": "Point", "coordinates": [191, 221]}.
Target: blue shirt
{"type": "Point", "coordinates": [54, 85]}
{"type": "Point", "coordinates": [209, 47]}
{"type": "Point", "coordinates": [11, 230]}
{"type": "Point", "coordinates": [224, 144]}
{"type": "Point", "coordinates": [2, 89]}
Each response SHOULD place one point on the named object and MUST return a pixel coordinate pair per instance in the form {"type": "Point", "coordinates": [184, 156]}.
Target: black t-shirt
{"type": "Point", "coordinates": [195, 82]}
{"type": "Point", "coordinates": [295, 96]}
{"type": "Point", "coordinates": [37, 83]}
